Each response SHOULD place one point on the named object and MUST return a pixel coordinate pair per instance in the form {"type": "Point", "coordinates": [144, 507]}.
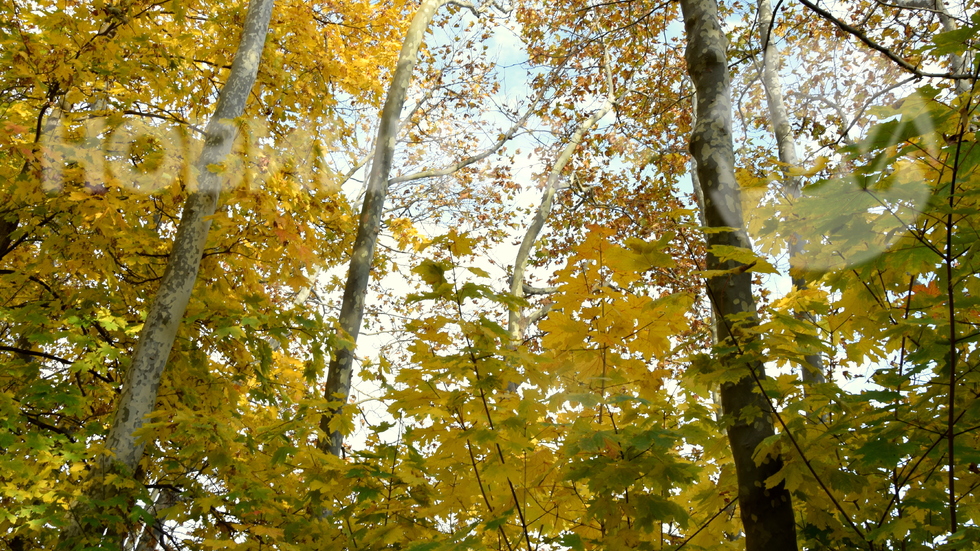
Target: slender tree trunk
{"type": "Point", "coordinates": [514, 325]}
{"type": "Point", "coordinates": [142, 379]}
{"type": "Point", "coordinates": [767, 513]}
{"type": "Point", "coordinates": [516, 322]}
{"type": "Point", "coordinates": [352, 309]}
{"type": "Point", "coordinates": [812, 371]}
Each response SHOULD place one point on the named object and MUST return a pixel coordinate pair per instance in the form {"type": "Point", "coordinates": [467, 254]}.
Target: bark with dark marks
{"type": "Point", "coordinates": [767, 513]}
{"type": "Point", "coordinates": [142, 379]}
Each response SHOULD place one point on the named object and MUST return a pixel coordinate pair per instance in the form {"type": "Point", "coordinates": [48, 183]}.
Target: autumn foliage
{"type": "Point", "coordinates": [579, 407]}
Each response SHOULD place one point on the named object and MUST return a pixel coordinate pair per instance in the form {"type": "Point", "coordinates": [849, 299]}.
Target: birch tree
{"type": "Point", "coordinates": [516, 323]}
{"type": "Point", "coordinates": [340, 371]}
{"type": "Point", "coordinates": [612, 440]}
{"type": "Point", "coordinates": [812, 369]}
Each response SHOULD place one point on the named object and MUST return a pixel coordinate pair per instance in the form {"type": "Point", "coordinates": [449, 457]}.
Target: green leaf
{"type": "Point", "coordinates": [953, 42]}
{"type": "Point", "coordinates": [282, 453]}
{"type": "Point", "coordinates": [501, 520]}
{"type": "Point", "coordinates": [573, 541]}
{"type": "Point", "coordinates": [743, 256]}
{"type": "Point", "coordinates": [431, 272]}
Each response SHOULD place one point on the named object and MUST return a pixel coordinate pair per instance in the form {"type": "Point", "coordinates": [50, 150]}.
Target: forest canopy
{"type": "Point", "coordinates": [442, 274]}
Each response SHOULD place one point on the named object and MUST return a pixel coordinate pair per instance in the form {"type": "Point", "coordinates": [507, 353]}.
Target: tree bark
{"type": "Point", "coordinates": [369, 226]}
{"type": "Point", "coordinates": [514, 326]}
{"type": "Point", "coordinates": [142, 379]}
{"type": "Point", "coordinates": [767, 513]}
{"type": "Point", "coordinates": [812, 371]}
{"type": "Point", "coordinates": [517, 323]}
{"type": "Point", "coordinates": [154, 534]}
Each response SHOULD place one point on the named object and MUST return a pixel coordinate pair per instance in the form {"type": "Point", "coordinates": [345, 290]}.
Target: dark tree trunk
{"type": "Point", "coordinates": [767, 513]}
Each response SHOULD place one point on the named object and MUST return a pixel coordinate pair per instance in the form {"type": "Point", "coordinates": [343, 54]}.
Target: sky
{"type": "Point", "coordinates": [507, 49]}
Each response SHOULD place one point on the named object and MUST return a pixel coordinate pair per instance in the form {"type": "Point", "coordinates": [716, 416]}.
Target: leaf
{"type": "Point", "coordinates": [954, 41]}
{"type": "Point", "coordinates": [431, 272]}
{"type": "Point", "coordinates": [573, 541]}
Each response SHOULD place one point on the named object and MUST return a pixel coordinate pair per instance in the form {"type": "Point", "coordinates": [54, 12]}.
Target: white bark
{"type": "Point", "coordinates": [514, 327]}
{"type": "Point", "coordinates": [369, 226]}
{"type": "Point", "coordinates": [812, 371]}
{"type": "Point", "coordinates": [517, 287]}
{"type": "Point", "coordinates": [142, 379]}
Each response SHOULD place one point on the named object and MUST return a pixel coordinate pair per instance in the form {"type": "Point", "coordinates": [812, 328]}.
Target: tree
{"type": "Point", "coordinates": [141, 384]}
{"type": "Point", "coordinates": [91, 253]}
{"type": "Point", "coordinates": [899, 202]}
{"type": "Point", "coordinates": [812, 369]}
{"type": "Point", "coordinates": [767, 513]}
{"type": "Point", "coordinates": [362, 256]}
{"type": "Point", "coordinates": [568, 405]}
{"type": "Point", "coordinates": [379, 178]}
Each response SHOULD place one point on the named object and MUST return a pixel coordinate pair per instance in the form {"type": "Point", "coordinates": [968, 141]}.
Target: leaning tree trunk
{"type": "Point", "coordinates": [515, 324]}
{"type": "Point", "coordinates": [767, 513]}
{"type": "Point", "coordinates": [352, 309]}
{"type": "Point", "coordinates": [142, 379]}
{"type": "Point", "coordinates": [812, 371]}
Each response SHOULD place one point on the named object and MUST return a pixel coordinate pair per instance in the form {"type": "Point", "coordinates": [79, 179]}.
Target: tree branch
{"type": "Point", "coordinates": [16, 350]}
{"type": "Point", "coordinates": [863, 37]}
{"type": "Point", "coordinates": [435, 173]}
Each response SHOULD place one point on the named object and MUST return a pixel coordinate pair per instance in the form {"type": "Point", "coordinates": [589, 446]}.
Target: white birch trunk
{"type": "Point", "coordinates": [514, 326]}
{"type": "Point", "coordinates": [341, 366]}
{"type": "Point", "coordinates": [812, 371]}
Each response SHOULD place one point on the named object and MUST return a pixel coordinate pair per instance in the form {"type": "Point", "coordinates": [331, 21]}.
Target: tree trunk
{"type": "Point", "coordinates": [812, 371]}
{"type": "Point", "coordinates": [514, 326]}
{"type": "Point", "coordinates": [767, 513]}
{"type": "Point", "coordinates": [154, 535]}
{"type": "Point", "coordinates": [352, 309]}
{"type": "Point", "coordinates": [142, 379]}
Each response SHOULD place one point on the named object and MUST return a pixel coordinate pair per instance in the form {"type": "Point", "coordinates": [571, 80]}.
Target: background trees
{"type": "Point", "coordinates": [568, 406]}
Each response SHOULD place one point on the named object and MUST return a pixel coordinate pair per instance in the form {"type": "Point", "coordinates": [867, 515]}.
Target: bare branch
{"type": "Point", "coordinates": [33, 353]}
{"type": "Point", "coordinates": [529, 290]}
{"type": "Point", "coordinates": [504, 138]}
{"type": "Point", "coordinates": [538, 314]}
{"type": "Point", "coordinates": [474, 9]}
